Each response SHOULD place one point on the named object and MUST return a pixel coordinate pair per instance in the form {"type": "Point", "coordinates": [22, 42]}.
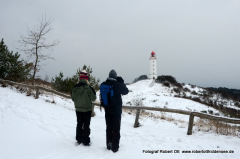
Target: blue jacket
{"type": "Point", "coordinates": [119, 89]}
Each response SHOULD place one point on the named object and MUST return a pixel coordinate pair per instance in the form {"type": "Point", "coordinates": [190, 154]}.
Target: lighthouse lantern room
{"type": "Point", "coordinates": [153, 66]}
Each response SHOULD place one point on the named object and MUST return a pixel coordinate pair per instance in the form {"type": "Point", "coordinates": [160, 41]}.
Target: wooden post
{"type": "Point", "coordinates": [93, 113]}
{"type": "Point", "coordinates": [37, 92]}
{"type": "Point", "coordinates": [190, 124]}
{"type": "Point", "coordinates": [136, 124]}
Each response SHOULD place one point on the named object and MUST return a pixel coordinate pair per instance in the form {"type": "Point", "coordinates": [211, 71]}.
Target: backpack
{"type": "Point", "coordinates": [106, 95]}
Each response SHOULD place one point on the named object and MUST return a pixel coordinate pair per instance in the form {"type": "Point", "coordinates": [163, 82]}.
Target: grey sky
{"type": "Point", "coordinates": [196, 41]}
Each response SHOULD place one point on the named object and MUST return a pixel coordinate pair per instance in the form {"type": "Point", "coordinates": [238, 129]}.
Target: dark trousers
{"type": "Point", "coordinates": [83, 127]}
{"type": "Point", "coordinates": [113, 122]}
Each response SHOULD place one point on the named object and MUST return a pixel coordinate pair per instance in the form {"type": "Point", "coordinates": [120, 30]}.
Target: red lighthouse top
{"type": "Point", "coordinates": [153, 55]}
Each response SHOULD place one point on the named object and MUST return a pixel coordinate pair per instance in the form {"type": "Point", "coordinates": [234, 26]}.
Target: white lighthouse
{"type": "Point", "coordinates": [153, 66]}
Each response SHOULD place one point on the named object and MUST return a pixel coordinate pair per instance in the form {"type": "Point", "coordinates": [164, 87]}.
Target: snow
{"type": "Point", "coordinates": [34, 128]}
{"type": "Point", "coordinates": [162, 97]}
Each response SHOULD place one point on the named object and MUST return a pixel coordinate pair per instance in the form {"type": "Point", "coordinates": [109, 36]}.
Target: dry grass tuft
{"type": "Point", "coordinates": [217, 127]}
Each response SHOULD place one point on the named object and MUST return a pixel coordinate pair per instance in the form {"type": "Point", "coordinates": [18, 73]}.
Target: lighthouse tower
{"type": "Point", "coordinates": [153, 66]}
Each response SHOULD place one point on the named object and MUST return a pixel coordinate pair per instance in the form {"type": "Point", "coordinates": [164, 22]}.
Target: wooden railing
{"type": "Point", "coordinates": [136, 123]}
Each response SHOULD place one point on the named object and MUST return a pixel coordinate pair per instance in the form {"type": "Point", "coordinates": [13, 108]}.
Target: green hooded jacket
{"type": "Point", "coordinates": [82, 96]}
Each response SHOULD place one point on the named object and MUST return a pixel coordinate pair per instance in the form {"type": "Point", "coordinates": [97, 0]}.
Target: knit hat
{"type": "Point", "coordinates": [83, 75]}
{"type": "Point", "coordinates": [113, 74]}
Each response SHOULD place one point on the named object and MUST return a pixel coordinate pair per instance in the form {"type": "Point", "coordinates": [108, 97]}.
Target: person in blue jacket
{"type": "Point", "coordinates": [113, 113]}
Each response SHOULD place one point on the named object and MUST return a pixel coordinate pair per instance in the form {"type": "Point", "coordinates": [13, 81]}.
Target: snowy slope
{"type": "Point", "coordinates": [35, 129]}
{"type": "Point", "coordinates": [162, 97]}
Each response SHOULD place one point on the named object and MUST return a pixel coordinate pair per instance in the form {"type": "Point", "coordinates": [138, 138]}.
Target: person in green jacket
{"type": "Point", "coordinates": [82, 96]}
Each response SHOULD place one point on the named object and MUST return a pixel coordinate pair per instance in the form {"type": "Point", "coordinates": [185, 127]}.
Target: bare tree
{"type": "Point", "coordinates": [35, 42]}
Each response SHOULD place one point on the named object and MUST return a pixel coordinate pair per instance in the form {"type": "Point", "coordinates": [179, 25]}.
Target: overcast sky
{"type": "Point", "coordinates": [196, 41]}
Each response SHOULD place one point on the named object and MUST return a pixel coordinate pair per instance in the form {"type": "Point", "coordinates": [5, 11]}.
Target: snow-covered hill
{"type": "Point", "coordinates": [38, 129]}
{"type": "Point", "coordinates": [163, 97]}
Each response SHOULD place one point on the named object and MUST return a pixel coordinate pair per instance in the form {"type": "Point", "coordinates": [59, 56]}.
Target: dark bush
{"type": "Point", "coordinates": [166, 84]}
{"type": "Point", "coordinates": [226, 92]}
{"type": "Point", "coordinates": [66, 85]}
{"type": "Point", "coordinates": [213, 103]}
{"type": "Point", "coordinates": [210, 111]}
{"type": "Point", "coordinates": [178, 85]}
{"type": "Point", "coordinates": [193, 86]}
{"type": "Point", "coordinates": [142, 77]}
{"type": "Point", "coordinates": [186, 90]}
{"type": "Point", "coordinates": [205, 95]}
{"type": "Point", "coordinates": [165, 78]}
{"type": "Point", "coordinates": [194, 92]}
{"type": "Point", "coordinates": [177, 90]}
{"type": "Point", "coordinates": [220, 107]}
{"type": "Point", "coordinates": [11, 66]}
{"type": "Point", "coordinates": [236, 104]}
{"type": "Point", "coordinates": [196, 99]}
{"type": "Point", "coordinates": [4, 85]}
{"type": "Point", "coordinates": [210, 102]}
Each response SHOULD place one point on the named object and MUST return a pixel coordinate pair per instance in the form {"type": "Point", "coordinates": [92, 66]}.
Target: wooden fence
{"type": "Point", "coordinates": [136, 123]}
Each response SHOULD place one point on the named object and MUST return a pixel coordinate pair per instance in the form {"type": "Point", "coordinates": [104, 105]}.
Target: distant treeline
{"type": "Point", "coordinates": [226, 92]}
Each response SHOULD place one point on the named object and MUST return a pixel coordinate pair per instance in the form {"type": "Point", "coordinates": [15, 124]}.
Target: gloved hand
{"type": "Point", "coordinates": [120, 80]}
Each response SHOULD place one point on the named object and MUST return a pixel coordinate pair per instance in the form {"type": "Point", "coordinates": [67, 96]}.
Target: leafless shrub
{"type": "Point", "coordinates": [137, 102]}
{"type": "Point", "coordinates": [22, 90]}
{"type": "Point", "coordinates": [217, 127]}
